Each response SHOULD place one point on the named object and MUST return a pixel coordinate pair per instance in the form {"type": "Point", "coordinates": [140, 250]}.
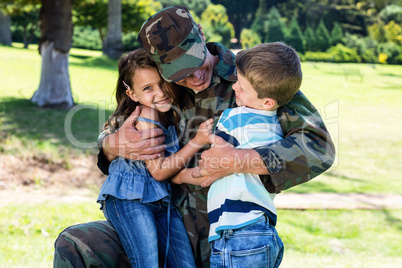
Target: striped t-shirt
{"type": "Point", "coordinates": [240, 199]}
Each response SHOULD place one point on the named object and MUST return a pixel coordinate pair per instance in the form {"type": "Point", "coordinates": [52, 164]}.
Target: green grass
{"type": "Point", "coordinates": [345, 238]}
{"type": "Point", "coordinates": [27, 129]}
{"type": "Point", "coordinates": [320, 238]}
{"type": "Point", "coordinates": [28, 232]}
{"type": "Point", "coordinates": [362, 117]}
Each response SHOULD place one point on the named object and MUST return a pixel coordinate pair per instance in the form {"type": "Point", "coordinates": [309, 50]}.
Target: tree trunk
{"type": "Point", "coordinates": [54, 89]}
{"type": "Point", "coordinates": [25, 38]}
{"type": "Point", "coordinates": [5, 32]}
{"type": "Point", "coordinates": [113, 45]}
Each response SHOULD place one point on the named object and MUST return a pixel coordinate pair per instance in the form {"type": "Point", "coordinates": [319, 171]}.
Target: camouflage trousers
{"type": "Point", "coordinates": [93, 244]}
{"type": "Point", "coordinates": [97, 244]}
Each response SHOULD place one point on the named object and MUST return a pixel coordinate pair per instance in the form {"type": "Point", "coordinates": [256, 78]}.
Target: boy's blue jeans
{"type": "Point", "coordinates": [256, 245]}
{"type": "Point", "coordinates": [142, 229]}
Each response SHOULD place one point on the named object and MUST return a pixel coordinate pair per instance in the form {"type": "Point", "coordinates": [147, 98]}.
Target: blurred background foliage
{"type": "Point", "coordinates": [320, 30]}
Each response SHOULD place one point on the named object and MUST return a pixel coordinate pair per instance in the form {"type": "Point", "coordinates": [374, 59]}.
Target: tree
{"type": "Point", "coordinates": [394, 32]}
{"type": "Point", "coordinates": [295, 36]}
{"type": "Point", "coordinates": [336, 34]}
{"type": "Point", "coordinates": [113, 45]}
{"type": "Point", "coordinates": [322, 36]}
{"type": "Point", "coordinates": [240, 12]}
{"type": "Point", "coordinates": [257, 28]}
{"type": "Point", "coordinates": [249, 39]}
{"type": "Point", "coordinates": [353, 15]}
{"type": "Point", "coordinates": [136, 12]}
{"type": "Point", "coordinates": [382, 33]}
{"type": "Point", "coordinates": [216, 26]}
{"type": "Point", "coordinates": [260, 23]}
{"type": "Point", "coordinates": [310, 40]}
{"type": "Point", "coordinates": [26, 21]}
{"type": "Point", "coordinates": [93, 13]}
{"type": "Point", "coordinates": [392, 51]}
{"type": "Point", "coordinates": [54, 89]}
{"type": "Point", "coordinates": [365, 47]}
{"type": "Point", "coordinates": [391, 13]}
{"type": "Point", "coordinates": [197, 6]}
{"type": "Point", "coordinates": [22, 15]}
{"type": "Point", "coordinates": [276, 27]}
{"type": "Point", "coordinates": [5, 32]}
{"type": "Point", "coordinates": [378, 32]}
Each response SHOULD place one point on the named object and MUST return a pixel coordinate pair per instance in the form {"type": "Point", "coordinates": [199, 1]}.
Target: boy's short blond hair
{"type": "Point", "coordinates": [273, 70]}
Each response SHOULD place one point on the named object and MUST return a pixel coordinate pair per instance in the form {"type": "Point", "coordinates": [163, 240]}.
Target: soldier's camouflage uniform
{"type": "Point", "coordinates": [305, 152]}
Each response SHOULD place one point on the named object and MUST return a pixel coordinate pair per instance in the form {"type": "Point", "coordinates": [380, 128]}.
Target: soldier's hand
{"type": "Point", "coordinates": [130, 143]}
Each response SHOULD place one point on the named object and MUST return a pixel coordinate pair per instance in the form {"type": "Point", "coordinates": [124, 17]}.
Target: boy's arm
{"type": "Point", "coordinates": [305, 152]}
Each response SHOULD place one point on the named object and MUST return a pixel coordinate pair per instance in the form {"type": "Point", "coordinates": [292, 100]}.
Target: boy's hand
{"type": "Point", "coordinates": [223, 159]}
{"type": "Point", "coordinates": [203, 133]}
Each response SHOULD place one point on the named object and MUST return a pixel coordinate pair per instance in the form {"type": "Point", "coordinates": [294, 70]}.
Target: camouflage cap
{"type": "Point", "coordinates": [173, 40]}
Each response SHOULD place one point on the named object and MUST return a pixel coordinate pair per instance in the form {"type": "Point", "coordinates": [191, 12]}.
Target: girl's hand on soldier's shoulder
{"type": "Point", "coordinates": [203, 132]}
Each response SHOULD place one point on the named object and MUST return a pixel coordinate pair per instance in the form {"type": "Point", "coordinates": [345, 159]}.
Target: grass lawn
{"type": "Point", "coordinates": [362, 117]}
{"type": "Point", "coordinates": [341, 238]}
{"type": "Point", "coordinates": [28, 232]}
{"type": "Point", "coordinates": [312, 238]}
{"type": "Point", "coordinates": [361, 111]}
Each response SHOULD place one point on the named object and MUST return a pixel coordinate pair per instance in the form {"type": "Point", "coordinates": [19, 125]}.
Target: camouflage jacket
{"type": "Point", "coordinates": [305, 152]}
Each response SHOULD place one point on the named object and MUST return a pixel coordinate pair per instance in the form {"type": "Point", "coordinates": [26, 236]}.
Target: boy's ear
{"type": "Point", "coordinates": [269, 103]}
{"type": "Point", "coordinates": [131, 94]}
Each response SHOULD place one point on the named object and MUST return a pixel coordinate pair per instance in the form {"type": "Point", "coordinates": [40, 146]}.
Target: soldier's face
{"type": "Point", "coordinates": [200, 79]}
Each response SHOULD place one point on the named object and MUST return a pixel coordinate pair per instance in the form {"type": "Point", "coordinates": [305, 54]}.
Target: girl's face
{"type": "Point", "coordinates": [148, 90]}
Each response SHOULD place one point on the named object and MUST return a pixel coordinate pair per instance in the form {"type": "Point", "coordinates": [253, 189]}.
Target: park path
{"type": "Point", "coordinates": [337, 201]}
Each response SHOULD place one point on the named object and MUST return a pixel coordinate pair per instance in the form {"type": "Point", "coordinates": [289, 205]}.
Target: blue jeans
{"type": "Point", "coordinates": [256, 245]}
{"type": "Point", "coordinates": [143, 231]}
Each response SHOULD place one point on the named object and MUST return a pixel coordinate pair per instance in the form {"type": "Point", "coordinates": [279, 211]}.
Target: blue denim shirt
{"type": "Point", "coordinates": [131, 180]}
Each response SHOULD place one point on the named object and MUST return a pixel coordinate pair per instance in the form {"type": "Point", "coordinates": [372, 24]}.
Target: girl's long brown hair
{"type": "Point", "coordinates": [128, 64]}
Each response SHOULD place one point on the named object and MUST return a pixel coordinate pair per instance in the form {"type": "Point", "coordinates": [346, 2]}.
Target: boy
{"type": "Point", "coordinates": [241, 212]}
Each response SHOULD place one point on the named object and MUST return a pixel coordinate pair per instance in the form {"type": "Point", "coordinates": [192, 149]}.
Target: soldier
{"type": "Point", "coordinates": [206, 73]}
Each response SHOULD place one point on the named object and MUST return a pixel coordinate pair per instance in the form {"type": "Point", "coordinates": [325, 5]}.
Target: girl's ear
{"type": "Point", "coordinates": [131, 94]}
{"type": "Point", "coordinates": [269, 103]}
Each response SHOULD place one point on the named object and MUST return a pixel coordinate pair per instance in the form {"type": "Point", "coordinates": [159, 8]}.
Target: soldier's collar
{"type": "Point", "coordinates": [226, 64]}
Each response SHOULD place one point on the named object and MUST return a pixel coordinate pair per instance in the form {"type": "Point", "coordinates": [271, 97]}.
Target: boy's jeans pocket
{"type": "Point", "coordinates": [256, 245]}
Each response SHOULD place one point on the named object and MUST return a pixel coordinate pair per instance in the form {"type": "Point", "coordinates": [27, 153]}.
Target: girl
{"type": "Point", "coordinates": [135, 197]}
